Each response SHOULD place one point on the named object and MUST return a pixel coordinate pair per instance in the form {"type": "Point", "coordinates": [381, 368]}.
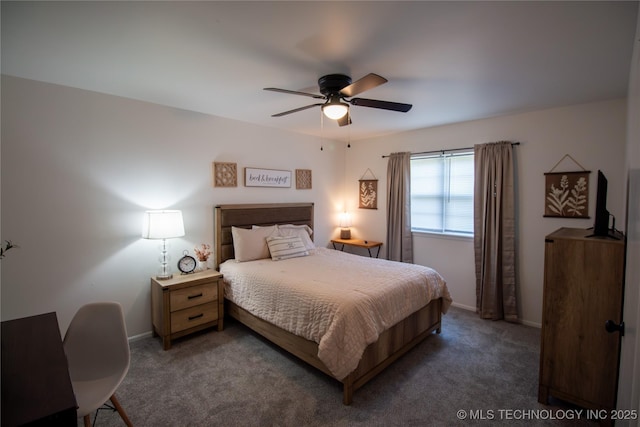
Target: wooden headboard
{"type": "Point", "coordinates": [245, 216]}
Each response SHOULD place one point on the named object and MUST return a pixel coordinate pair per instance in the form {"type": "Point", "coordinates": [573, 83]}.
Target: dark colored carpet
{"type": "Point", "coordinates": [487, 369]}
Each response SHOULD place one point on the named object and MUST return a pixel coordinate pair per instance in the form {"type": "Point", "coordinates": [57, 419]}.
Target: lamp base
{"type": "Point", "coordinates": [165, 271]}
{"type": "Point", "coordinates": [345, 233]}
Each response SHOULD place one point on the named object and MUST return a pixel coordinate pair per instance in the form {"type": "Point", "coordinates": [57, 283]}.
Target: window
{"type": "Point", "coordinates": [442, 193]}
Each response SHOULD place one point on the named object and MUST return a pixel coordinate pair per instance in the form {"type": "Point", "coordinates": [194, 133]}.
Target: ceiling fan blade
{"type": "Point", "coordinates": [284, 113]}
{"type": "Point", "coordinates": [344, 120]}
{"type": "Point", "coordinates": [294, 92]}
{"type": "Point", "coordinates": [384, 105]}
{"type": "Point", "coordinates": [369, 81]}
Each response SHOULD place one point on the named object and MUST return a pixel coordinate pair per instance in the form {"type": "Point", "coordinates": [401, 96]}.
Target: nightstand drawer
{"type": "Point", "coordinates": [186, 304]}
{"type": "Point", "coordinates": [192, 296]}
{"type": "Point", "coordinates": [194, 316]}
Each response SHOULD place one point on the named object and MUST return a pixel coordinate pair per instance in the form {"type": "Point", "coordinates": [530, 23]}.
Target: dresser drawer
{"type": "Point", "coordinates": [194, 316]}
{"type": "Point", "coordinates": [193, 295]}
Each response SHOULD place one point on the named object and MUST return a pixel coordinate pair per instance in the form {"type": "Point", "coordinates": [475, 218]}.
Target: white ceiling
{"type": "Point", "coordinates": [454, 61]}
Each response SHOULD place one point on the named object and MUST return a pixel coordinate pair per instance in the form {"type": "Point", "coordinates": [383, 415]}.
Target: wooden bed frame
{"type": "Point", "coordinates": [391, 344]}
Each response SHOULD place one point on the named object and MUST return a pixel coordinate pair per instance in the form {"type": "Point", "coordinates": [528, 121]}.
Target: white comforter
{"type": "Point", "coordinates": [338, 300]}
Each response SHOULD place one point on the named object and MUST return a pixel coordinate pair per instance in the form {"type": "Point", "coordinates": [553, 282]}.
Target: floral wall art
{"type": "Point", "coordinates": [368, 194]}
{"type": "Point", "coordinates": [567, 194]}
{"type": "Point", "coordinates": [368, 191]}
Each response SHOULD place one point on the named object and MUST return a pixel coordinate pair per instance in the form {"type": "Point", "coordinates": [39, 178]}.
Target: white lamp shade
{"type": "Point", "coordinates": [164, 224]}
{"type": "Point", "coordinates": [345, 220]}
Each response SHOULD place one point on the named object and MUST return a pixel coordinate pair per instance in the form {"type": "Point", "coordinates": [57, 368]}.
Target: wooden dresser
{"type": "Point", "coordinates": [186, 304]}
{"type": "Point", "coordinates": [583, 289]}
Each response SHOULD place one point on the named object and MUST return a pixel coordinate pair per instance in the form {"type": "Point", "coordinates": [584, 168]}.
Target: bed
{"type": "Point", "coordinates": [373, 349]}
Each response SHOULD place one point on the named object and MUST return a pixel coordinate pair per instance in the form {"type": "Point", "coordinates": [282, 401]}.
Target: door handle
{"type": "Point", "coordinates": [612, 327]}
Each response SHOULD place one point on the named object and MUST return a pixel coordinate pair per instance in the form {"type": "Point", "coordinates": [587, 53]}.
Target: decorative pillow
{"type": "Point", "coordinates": [301, 231]}
{"type": "Point", "coordinates": [251, 244]}
{"type": "Point", "coordinates": [286, 247]}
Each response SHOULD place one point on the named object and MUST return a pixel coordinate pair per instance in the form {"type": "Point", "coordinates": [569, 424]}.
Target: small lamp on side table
{"type": "Point", "coordinates": [163, 224]}
{"type": "Point", "coordinates": [345, 223]}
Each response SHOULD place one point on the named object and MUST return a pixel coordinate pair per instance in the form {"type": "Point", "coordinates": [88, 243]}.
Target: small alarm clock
{"type": "Point", "coordinates": [187, 264]}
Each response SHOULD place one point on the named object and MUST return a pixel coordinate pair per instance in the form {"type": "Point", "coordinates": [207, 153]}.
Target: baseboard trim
{"type": "Point", "coordinates": [462, 306]}
{"type": "Point", "coordinates": [140, 336]}
{"type": "Point", "coordinates": [521, 321]}
{"type": "Point", "coordinates": [532, 324]}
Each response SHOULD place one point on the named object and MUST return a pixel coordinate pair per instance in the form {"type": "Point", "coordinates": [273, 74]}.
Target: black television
{"type": "Point", "coordinates": [601, 224]}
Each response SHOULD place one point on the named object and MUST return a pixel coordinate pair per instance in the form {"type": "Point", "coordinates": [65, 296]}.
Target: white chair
{"type": "Point", "coordinates": [98, 354]}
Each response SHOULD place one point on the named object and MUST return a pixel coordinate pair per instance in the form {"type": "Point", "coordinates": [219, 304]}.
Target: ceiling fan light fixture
{"type": "Point", "coordinates": [336, 88]}
{"type": "Point", "coordinates": [334, 109]}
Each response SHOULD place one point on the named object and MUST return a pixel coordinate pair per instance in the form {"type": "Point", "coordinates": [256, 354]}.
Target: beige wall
{"type": "Point", "coordinates": [79, 168]}
{"type": "Point", "coordinates": [593, 134]}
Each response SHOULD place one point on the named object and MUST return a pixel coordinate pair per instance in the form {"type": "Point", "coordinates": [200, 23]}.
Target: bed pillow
{"type": "Point", "coordinates": [296, 227]}
{"type": "Point", "coordinates": [249, 245]}
{"type": "Point", "coordinates": [286, 247]}
{"type": "Point", "coordinates": [302, 231]}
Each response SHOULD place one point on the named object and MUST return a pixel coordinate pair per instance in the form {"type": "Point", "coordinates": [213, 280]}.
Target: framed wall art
{"type": "Point", "coordinates": [225, 174]}
{"type": "Point", "coordinates": [303, 179]}
{"type": "Point", "coordinates": [368, 191]}
{"type": "Point", "coordinates": [368, 194]}
{"type": "Point", "coordinates": [567, 194]}
{"type": "Point", "coordinates": [254, 177]}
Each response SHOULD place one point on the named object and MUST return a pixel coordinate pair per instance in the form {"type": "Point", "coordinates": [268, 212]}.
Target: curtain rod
{"type": "Point", "coordinates": [445, 151]}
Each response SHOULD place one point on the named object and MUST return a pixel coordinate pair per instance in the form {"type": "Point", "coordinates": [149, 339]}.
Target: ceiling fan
{"type": "Point", "coordinates": [336, 88]}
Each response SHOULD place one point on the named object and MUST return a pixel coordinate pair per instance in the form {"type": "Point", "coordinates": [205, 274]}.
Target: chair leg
{"type": "Point", "coordinates": [87, 420]}
{"type": "Point", "coordinates": [120, 410]}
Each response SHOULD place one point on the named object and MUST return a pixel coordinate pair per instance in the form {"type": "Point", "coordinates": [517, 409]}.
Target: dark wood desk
{"type": "Point", "coordinates": [36, 388]}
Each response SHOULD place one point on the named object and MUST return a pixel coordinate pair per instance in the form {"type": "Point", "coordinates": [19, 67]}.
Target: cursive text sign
{"type": "Point", "coordinates": [266, 178]}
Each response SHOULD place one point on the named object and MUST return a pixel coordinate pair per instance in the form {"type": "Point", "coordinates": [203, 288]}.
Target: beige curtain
{"type": "Point", "coordinates": [399, 240]}
{"type": "Point", "coordinates": [494, 231]}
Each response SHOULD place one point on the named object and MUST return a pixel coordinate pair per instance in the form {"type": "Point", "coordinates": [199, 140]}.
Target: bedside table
{"type": "Point", "coordinates": [186, 304]}
{"type": "Point", "coordinates": [367, 244]}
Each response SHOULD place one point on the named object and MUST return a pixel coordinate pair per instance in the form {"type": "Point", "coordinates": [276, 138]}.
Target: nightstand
{"type": "Point", "coordinates": [367, 244]}
{"type": "Point", "coordinates": [186, 304]}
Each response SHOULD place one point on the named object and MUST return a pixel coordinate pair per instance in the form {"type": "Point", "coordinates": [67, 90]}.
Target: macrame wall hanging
{"type": "Point", "coordinates": [368, 191]}
{"type": "Point", "coordinates": [567, 193]}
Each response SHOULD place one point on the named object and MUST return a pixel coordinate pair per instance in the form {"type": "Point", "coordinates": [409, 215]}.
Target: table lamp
{"type": "Point", "coordinates": [163, 224]}
{"type": "Point", "coordinates": [345, 223]}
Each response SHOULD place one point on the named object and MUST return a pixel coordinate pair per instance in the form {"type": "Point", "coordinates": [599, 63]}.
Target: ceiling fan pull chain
{"type": "Point", "coordinates": [321, 129]}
